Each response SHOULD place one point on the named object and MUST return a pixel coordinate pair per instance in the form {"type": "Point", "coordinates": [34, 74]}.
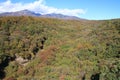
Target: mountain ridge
{"type": "Point", "coordinates": [34, 14]}
{"type": "Point", "coordinates": [20, 13]}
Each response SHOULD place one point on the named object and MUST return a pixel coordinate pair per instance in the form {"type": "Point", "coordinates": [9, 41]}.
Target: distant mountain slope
{"type": "Point", "coordinates": [20, 13]}
{"type": "Point", "coordinates": [61, 16]}
{"type": "Point", "coordinates": [31, 13]}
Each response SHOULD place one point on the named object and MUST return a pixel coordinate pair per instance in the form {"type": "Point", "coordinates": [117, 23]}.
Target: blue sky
{"type": "Point", "coordinates": [89, 9]}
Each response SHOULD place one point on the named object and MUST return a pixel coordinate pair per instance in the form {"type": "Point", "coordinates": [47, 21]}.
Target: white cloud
{"type": "Point", "coordinates": [37, 6]}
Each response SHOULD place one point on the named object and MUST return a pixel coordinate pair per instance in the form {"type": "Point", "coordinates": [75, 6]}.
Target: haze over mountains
{"type": "Point", "coordinates": [31, 13]}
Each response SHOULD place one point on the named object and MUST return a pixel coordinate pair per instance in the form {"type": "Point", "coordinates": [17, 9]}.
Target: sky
{"type": "Point", "coordinates": [88, 9]}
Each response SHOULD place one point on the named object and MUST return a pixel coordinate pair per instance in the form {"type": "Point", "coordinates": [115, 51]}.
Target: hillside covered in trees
{"type": "Point", "coordinates": [53, 49]}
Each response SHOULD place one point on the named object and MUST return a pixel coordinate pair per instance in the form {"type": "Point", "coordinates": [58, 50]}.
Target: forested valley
{"type": "Point", "coordinates": [34, 48]}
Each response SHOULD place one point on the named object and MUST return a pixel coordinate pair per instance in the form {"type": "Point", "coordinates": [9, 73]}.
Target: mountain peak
{"type": "Point", "coordinates": [20, 13]}
{"type": "Point", "coordinates": [26, 11]}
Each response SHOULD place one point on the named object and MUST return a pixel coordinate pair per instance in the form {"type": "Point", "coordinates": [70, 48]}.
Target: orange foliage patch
{"type": "Point", "coordinates": [84, 46]}
{"type": "Point", "coordinates": [46, 54]}
{"type": "Point", "coordinates": [62, 77]}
